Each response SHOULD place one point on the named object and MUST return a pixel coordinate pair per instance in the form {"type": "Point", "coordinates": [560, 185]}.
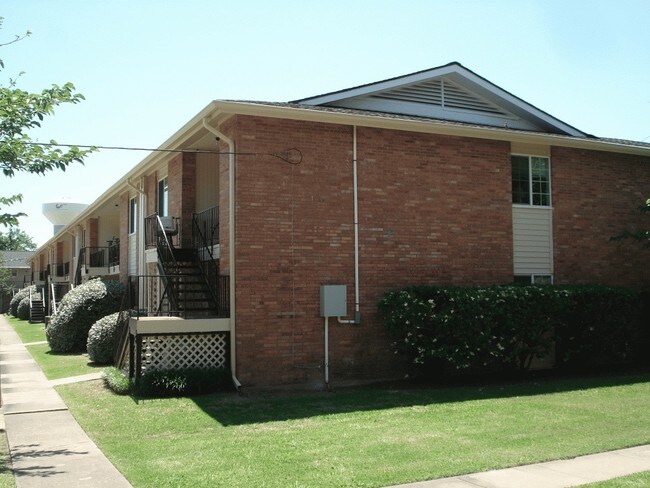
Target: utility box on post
{"type": "Point", "coordinates": [333, 300]}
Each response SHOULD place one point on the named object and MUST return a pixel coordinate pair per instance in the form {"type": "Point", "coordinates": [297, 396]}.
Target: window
{"type": "Point", "coordinates": [533, 280]}
{"type": "Point", "coordinates": [163, 198]}
{"type": "Point", "coordinates": [133, 215]}
{"type": "Point", "coordinates": [531, 181]}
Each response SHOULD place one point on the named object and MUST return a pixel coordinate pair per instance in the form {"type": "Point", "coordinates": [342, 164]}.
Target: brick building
{"type": "Point", "coordinates": [437, 177]}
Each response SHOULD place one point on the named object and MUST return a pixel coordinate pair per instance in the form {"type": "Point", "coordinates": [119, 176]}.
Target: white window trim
{"type": "Point", "coordinates": [164, 178]}
{"type": "Point", "coordinates": [530, 181]}
{"type": "Point", "coordinates": [532, 277]}
{"type": "Point", "coordinates": [133, 219]}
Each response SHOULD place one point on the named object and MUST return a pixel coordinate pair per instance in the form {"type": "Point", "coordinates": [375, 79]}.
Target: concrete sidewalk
{"type": "Point", "coordinates": [48, 447]}
{"type": "Point", "coordinates": [553, 474]}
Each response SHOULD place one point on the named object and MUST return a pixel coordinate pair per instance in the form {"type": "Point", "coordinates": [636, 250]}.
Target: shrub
{"type": "Point", "coordinates": [185, 381]}
{"type": "Point", "coordinates": [101, 339]}
{"type": "Point", "coordinates": [603, 325]}
{"type": "Point", "coordinates": [18, 297]}
{"type": "Point", "coordinates": [78, 310]}
{"type": "Point", "coordinates": [505, 327]}
{"type": "Point", "coordinates": [23, 309]}
{"type": "Point", "coordinates": [117, 381]}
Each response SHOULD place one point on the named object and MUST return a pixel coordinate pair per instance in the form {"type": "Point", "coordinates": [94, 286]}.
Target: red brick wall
{"type": "Point", "coordinates": [93, 232]}
{"type": "Point", "coordinates": [596, 196]}
{"type": "Point", "coordinates": [151, 189]}
{"type": "Point", "coordinates": [182, 193]}
{"type": "Point", "coordinates": [432, 209]}
{"type": "Point", "coordinates": [224, 204]}
{"type": "Point", "coordinates": [59, 252]}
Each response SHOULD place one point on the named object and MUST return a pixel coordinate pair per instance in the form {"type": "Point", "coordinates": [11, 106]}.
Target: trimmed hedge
{"type": "Point", "coordinates": [23, 309]}
{"type": "Point", "coordinates": [116, 381]}
{"type": "Point", "coordinates": [101, 339]}
{"type": "Point", "coordinates": [79, 309]}
{"type": "Point", "coordinates": [18, 297]}
{"type": "Point", "coordinates": [504, 328]}
{"type": "Point", "coordinates": [181, 382]}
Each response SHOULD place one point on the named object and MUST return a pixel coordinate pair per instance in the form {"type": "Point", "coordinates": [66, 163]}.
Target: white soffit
{"type": "Point", "coordinates": [450, 92]}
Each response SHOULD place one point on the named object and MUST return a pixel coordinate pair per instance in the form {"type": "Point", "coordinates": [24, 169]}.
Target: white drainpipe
{"type": "Point", "coordinates": [357, 300]}
{"type": "Point", "coordinates": [231, 246]}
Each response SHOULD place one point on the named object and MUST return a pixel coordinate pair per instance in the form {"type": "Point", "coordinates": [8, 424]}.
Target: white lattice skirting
{"type": "Point", "coordinates": [164, 352]}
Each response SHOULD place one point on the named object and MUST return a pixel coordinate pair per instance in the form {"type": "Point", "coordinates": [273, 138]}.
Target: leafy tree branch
{"type": "Point", "coordinates": [21, 111]}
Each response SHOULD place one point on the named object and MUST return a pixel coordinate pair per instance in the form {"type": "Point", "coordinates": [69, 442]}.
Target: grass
{"type": "Point", "coordinates": [7, 479]}
{"type": "Point", "coordinates": [26, 331]}
{"type": "Point", "coordinates": [371, 437]}
{"type": "Point", "coordinates": [54, 365]}
{"type": "Point", "coordinates": [638, 480]}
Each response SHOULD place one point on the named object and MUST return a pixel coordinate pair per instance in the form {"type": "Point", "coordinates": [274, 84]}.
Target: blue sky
{"type": "Point", "coordinates": [146, 67]}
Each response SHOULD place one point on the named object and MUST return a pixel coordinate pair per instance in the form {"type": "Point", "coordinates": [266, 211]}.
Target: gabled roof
{"type": "Point", "coordinates": [15, 259]}
{"type": "Point", "coordinates": [450, 92]}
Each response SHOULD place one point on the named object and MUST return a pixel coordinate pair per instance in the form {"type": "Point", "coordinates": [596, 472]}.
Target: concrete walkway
{"type": "Point", "coordinates": [48, 447]}
{"type": "Point", "coordinates": [553, 474]}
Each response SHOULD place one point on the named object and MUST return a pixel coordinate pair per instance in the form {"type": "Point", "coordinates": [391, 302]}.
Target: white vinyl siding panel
{"type": "Point", "coordinates": [532, 240]}
{"type": "Point", "coordinates": [133, 255]}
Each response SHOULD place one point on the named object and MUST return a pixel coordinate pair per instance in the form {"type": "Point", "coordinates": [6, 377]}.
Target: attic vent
{"type": "Point", "coordinates": [442, 93]}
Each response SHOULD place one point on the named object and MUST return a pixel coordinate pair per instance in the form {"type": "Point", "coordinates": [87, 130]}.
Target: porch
{"type": "Point", "coordinates": [179, 313]}
{"type": "Point", "coordinates": [100, 261]}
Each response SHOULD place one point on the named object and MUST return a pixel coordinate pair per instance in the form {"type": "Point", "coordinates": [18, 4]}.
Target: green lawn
{"type": "Point", "coordinates": [370, 437]}
{"type": "Point", "coordinates": [6, 475]}
{"type": "Point", "coordinates": [26, 331]}
{"type": "Point", "coordinates": [638, 480]}
{"type": "Point", "coordinates": [54, 365]}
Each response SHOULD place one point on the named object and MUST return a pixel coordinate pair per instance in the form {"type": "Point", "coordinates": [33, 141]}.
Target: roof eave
{"type": "Point", "coordinates": [425, 126]}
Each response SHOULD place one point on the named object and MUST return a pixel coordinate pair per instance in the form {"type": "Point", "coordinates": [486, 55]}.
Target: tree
{"type": "Point", "coordinates": [5, 278]}
{"type": "Point", "coordinates": [16, 240]}
{"type": "Point", "coordinates": [21, 111]}
{"type": "Point", "coordinates": [641, 235]}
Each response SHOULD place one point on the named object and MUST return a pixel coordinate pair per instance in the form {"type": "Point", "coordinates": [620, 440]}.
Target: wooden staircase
{"type": "Point", "coordinates": [36, 312]}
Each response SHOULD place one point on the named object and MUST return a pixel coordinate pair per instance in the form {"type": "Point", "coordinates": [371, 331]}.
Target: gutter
{"type": "Point", "coordinates": [405, 123]}
{"type": "Point", "coordinates": [231, 245]}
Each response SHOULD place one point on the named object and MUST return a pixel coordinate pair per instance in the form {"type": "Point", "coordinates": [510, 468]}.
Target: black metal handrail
{"type": "Point", "coordinates": [206, 224]}
{"type": "Point", "coordinates": [153, 226]}
{"type": "Point", "coordinates": [166, 258]}
{"type": "Point", "coordinates": [121, 331]}
{"type": "Point", "coordinates": [205, 229]}
{"type": "Point", "coordinates": [166, 303]}
{"type": "Point", "coordinates": [80, 263]}
{"type": "Point", "coordinates": [61, 269]}
{"type": "Point", "coordinates": [114, 253]}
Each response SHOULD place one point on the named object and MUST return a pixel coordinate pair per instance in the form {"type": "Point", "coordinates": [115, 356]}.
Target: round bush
{"type": "Point", "coordinates": [79, 309]}
{"type": "Point", "coordinates": [18, 297]}
{"type": "Point", "coordinates": [101, 339]}
{"type": "Point", "coordinates": [23, 309]}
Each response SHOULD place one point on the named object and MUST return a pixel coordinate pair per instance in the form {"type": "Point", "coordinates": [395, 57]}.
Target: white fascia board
{"type": "Point", "coordinates": [425, 126]}
{"type": "Point", "coordinates": [464, 77]}
{"type": "Point", "coordinates": [379, 86]}
{"type": "Point", "coordinates": [498, 96]}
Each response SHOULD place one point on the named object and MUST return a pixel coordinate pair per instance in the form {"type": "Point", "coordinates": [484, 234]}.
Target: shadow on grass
{"type": "Point", "coordinates": [90, 364]}
{"type": "Point", "coordinates": [232, 409]}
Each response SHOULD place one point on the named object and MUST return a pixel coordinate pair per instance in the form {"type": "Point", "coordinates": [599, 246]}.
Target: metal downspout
{"type": "Point", "coordinates": [231, 246]}
{"type": "Point", "coordinates": [357, 299]}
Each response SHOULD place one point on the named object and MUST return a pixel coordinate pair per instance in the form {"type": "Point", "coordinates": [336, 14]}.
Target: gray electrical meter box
{"type": "Point", "coordinates": [333, 301]}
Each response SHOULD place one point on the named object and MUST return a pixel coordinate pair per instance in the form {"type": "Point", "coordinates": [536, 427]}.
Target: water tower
{"type": "Point", "coordinates": [62, 213]}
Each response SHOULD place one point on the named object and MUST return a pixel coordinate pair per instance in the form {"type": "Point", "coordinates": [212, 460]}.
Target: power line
{"type": "Point", "coordinates": [291, 155]}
